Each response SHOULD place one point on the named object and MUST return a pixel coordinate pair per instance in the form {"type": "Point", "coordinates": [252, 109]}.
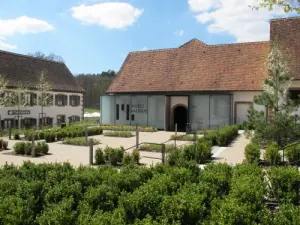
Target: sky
{"type": "Point", "coordinates": [96, 35]}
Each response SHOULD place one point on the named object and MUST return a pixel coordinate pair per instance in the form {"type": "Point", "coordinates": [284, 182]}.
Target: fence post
{"type": "Point", "coordinates": [195, 137]}
{"type": "Point", "coordinates": [163, 153]}
{"type": "Point", "coordinates": [91, 146]}
{"type": "Point", "coordinates": [32, 145]}
{"type": "Point", "coordinates": [137, 137]}
{"type": "Point", "coordinates": [175, 134]}
{"type": "Point", "coordinates": [86, 135]}
{"type": "Point", "coordinates": [9, 133]}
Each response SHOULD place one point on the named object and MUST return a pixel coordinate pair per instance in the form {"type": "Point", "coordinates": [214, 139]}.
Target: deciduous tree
{"type": "Point", "coordinates": [287, 5]}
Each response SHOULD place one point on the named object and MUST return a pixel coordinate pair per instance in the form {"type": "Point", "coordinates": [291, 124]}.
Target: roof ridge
{"type": "Point", "coordinates": [240, 43]}
{"type": "Point", "coordinates": [153, 50]}
{"type": "Point", "coordinates": [28, 56]}
{"type": "Point", "coordinates": [194, 39]}
{"type": "Point", "coordinates": [285, 18]}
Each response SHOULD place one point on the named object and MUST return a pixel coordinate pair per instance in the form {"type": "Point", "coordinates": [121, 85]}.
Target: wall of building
{"type": "Point", "coordinates": [183, 100]}
{"type": "Point", "coordinates": [51, 111]}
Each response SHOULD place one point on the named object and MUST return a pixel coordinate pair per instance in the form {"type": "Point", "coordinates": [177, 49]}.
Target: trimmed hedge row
{"type": "Point", "coordinates": [24, 148]}
{"type": "Point", "coordinates": [80, 141]}
{"type": "Point", "coordinates": [60, 134]}
{"type": "Point", "coordinates": [127, 128]}
{"type": "Point", "coordinates": [125, 134]}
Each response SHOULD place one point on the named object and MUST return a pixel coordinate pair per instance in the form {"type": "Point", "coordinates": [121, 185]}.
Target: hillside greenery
{"type": "Point", "coordinates": [95, 85]}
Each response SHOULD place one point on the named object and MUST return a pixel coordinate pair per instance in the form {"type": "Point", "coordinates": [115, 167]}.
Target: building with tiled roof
{"type": "Point", "coordinates": [22, 71]}
{"type": "Point", "coordinates": [204, 85]}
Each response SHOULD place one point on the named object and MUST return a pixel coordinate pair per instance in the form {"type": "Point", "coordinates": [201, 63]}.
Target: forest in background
{"type": "Point", "coordinates": [95, 85]}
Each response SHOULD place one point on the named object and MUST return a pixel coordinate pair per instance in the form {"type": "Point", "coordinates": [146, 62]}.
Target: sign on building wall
{"type": "Point", "coordinates": [18, 112]}
{"type": "Point", "coordinates": [139, 108]}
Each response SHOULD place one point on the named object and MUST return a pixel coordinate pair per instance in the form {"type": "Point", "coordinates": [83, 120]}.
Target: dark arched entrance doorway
{"type": "Point", "coordinates": [180, 115]}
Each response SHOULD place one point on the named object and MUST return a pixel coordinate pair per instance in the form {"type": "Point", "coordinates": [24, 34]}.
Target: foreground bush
{"type": "Point", "coordinates": [99, 157]}
{"type": "Point", "coordinates": [292, 153]}
{"type": "Point", "coordinates": [272, 155]}
{"type": "Point", "coordinates": [284, 184]}
{"type": "Point", "coordinates": [226, 135]}
{"type": "Point", "coordinates": [80, 141]}
{"type": "Point", "coordinates": [218, 194]}
{"type": "Point", "coordinates": [252, 153]}
{"type": "Point", "coordinates": [114, 156]}
{"type": "Point", "coordinates": [125, 134]}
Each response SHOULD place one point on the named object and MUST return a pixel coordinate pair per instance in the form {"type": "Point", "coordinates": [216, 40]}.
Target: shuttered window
{"type": "Point", "coordinates": [74, 100]}
{"type": "Point", "coordinates": [61, 100]}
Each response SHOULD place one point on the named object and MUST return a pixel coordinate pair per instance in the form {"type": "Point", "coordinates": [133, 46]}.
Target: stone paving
{"type": "Point", "coordinates": [78, 155]}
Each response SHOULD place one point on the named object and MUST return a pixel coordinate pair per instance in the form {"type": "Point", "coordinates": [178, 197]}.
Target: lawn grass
{"type": "Point", "coordinates": [91, 110]}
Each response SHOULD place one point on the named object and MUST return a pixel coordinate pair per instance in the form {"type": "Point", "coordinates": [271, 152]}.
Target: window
{"type": "Point", "coordinates": [122, 107]}
{"type": "Point", "coordinates": [61, 100]}
{"type": "Point", "coordinates": [132, 117]}
{"type": "Point", "coordinates": [295, 95]}
{"type": "Point", "coordinates": [61, 119]}
{"type": "Point", "coordinates": [127, 112]}
{"type": "Point", "coordinates": [32, 99]}
{"type": "Point", "coordinates": [117, 112]}
{"type": "Point", "coordinates": [74, 100]}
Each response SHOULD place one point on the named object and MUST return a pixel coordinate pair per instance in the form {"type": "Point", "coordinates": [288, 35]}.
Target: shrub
{"type": "Point", "coordinates": [287, 214]}
{"type": "Point", "coordinates": [16, 135]}
{"type": "Point", "coordinates": [5, 145]}
{"type": "Point", "coordinates": [292, 153]}
{"type": "Point", "coordinates": [226, 135]}
{"type": "Point", "coordinates": [183, 137]}
{"type": "Point", "coordinates": [136, 156]}
{"type": "Point", "coordinates": [252, 153]}
{"type": "Point", "coordinates": [156, 147]}
{"type": "Point", "coordinates": [99, 157]}
{"type": "Point", "coordinates": [80, 141]}
{"type": "Point", "coordinates": [19, 148]}
{"type": "Point", "coordinates": [284, 184]}
{"type": "Point", "coordinates": [50, 136]}
{"type": "Point", "coordinates": [125, 134]}
{"type": "Point", "coordinates": [127, 128]}
{"type": "Point", "coordinates": [114, 155]}
{"type": "Point", "coordinates": [45, 148]}
{"type": "Point", "coordinates": [127, 159]}
{"type": "Point", "coordinates": [272, 155]}
{"type": "Point", "coordinates": [200, 152]}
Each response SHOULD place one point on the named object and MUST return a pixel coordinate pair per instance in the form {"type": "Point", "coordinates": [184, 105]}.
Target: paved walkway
{"type": "Point", "coordinates": [234, 153]}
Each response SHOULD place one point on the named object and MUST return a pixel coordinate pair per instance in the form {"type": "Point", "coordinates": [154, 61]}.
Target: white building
{"type": "Point", "coordinates": [24, 71]}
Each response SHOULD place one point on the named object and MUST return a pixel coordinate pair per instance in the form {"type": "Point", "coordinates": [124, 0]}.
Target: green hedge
{"type": "Point", "coordinates": [252, 153]}
{"type": "Point", "coordinates": [24, 148]}
{"type": "Point", "coordinates": [113, 156]}
{"type": "Point", "coordinates": [292, 153]}
{"type": "Point", "coordinates": [80, 141]}
{"type": "Point", "coordinates": [156, 147]}
{"type": "Point", "coordinates": [125, 134]}
{"type": "Point", "coordinates": [218, 194]}
{"type": "Point", "coordinates": [127, 128]}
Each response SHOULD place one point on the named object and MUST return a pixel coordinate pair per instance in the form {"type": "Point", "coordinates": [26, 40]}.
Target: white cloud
{"type": "Point", "coordinates": [21, 25]}
{"type": "Point", "coordinates": [179, 33]}
{"type": "Point", "coordinates": [144, 48]}
{"type": "Point", "coordinates": [112, 15]}
{"type": "Point", "coordinates": [234, 17]}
